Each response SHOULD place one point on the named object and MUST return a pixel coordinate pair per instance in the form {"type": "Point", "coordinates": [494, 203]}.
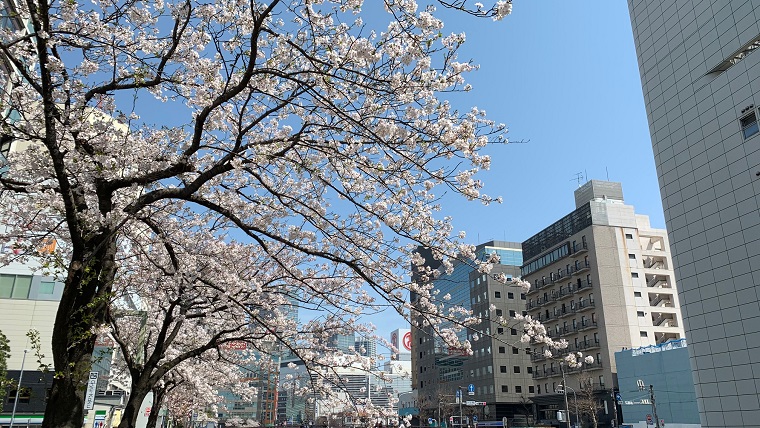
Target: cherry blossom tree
{"type": "Point", "coordinates": [206, 167]}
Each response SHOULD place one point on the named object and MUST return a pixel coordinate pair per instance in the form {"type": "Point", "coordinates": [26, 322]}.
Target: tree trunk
{"type": "Point", "coordinates": [84, 305]}
{"type": "Point", "coordinates": [132, 407]}
{"type": "Point", "coordinates": [155, 408]}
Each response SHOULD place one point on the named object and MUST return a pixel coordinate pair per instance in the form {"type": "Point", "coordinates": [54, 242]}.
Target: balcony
{"type": "Point", "coordinates": [580, 267]}
{"type": "Point", "coordinates": [566, 291]}
{"type": "Point", "coordinates": [584, 305]}
{"type": "Point", "coordinates": [583, 285]}
{"type": "Point", "coordinates": [658, 281]}
{"type": "Point", "coordinates": [537, 356]}
{"type": "Point", "coordinates": [563, 312]}
{"type": "Point", "coordinates": [588, 344]}
{"type": "Point", "coordinates": [586, 324]}
{"type": "Point", "coordinates": [579, 248]}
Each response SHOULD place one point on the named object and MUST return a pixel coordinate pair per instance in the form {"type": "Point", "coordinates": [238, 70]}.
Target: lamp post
{"type": "Point", "coordinates": [18, 388]}
{"type": "Point", "coordinates": [575, 401]}
{"type": "Point", "coordinates": [564, 392]}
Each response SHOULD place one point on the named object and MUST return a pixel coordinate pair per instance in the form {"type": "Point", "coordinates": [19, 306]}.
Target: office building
{"type": "Point", "coordinates": [700, 74]}
{"type": "Point", "coordinates": [602, 279]}
{"type": "Point", "coordinates": [366, 347]}
{"type": "Point", "coordinates": [666, 368]}
{"type": "Point", "coordinates": [499, 367]}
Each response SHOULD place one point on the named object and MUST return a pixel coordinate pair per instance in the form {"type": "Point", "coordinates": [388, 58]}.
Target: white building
{"type": "Point", "coordinates": [602, 279]}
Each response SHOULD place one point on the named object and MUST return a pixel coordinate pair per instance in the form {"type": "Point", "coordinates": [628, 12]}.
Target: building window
{"type": "Point", "coordinates": [499, 312]}
{"type": "Point", "coordinates": [640, 313]}
{"type": "Point", "coordinates": [502, 369]}
{"type": "Point", "coordinates": [497, 294]}
{"type": "Point", "coordinates": [512, 313]}
{"type": "Point", "coordinates": [504, 388]}
{"type": "Point", "coordinates": [518, 389]}
{"type": "Point", "coordinates": [529, 369]}
{"type": "Point", "coordinates": [513, 332]}
{"type": "Point", "coordinates": [522, 296]}
{"type": "Point", "coordinates": [632, 256]}
{"type": "Point", "coordinates": [749, 125]}
{"type": "Point", "coordinates": [531, 389]}
{"type": "Point", "coordinates": [510, 295]}
{"type": "Point", "coordinates": [628, 236]}
{"type": "Point", "coordinates": [637, 294]}
{"type": "Point", "coordinates": [516, 369]}
{"type": "Point", "coordinates": [502, 349]}
{"type": "Point", "coordinates": [634, 274]}
{"type": "Point", "coordinates": [500, 330]}
{"type": "Point", "coordinates": [15, 286]}
{"type": "Point", "coordinates": [515, 350]}
{"type": "Point", "coordinates": [643, 334]}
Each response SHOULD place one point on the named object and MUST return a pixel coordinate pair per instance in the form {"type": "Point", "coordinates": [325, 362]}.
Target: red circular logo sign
{"type": "Point", "coordinates": [408, 340]}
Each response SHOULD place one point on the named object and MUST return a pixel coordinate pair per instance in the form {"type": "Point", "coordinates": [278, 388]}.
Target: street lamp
{"type": "Point", "coordinates": [563, 390]}
{"type": "Point", "coordinates": [18, 388]}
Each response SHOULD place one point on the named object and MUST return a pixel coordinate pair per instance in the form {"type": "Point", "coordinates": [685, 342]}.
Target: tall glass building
{"type": "Point", "coordinates": [499, 367]}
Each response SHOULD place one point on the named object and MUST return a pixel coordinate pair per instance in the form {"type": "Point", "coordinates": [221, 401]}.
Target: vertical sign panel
{"type": "Point", "coordinates": [92, 387]}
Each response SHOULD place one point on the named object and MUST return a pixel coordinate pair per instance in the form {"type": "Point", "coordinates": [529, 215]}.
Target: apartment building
{"type": "Point", "coordinates": [602, 279]}
{"type": "Point", "coordinates": [700, 74]}
{"type": "Point", "coordinates": [499, 367]}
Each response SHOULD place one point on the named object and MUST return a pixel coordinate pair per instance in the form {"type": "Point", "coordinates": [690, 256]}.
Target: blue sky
{"type": "Point", "coordinates": [566, 79]}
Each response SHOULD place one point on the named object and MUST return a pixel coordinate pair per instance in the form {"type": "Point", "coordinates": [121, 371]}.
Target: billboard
{"type": "Point", "coordinates": [401, 339]}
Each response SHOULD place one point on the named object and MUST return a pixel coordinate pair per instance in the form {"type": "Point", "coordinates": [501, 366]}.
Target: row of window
{"type": "Point", "coordinates": [581, 385]}
{"type": "Point", "coordinates": [18, 286]}
{"type": "Point", "coordinates": [517, 389]}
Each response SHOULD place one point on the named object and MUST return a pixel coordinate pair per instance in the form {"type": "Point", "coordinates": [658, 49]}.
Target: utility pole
{"type": "Point", "coordinates": [654, 406]}
{"type": "Point", "coordinates": [461, 397]}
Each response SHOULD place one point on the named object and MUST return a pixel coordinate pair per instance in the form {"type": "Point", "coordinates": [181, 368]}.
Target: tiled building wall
{"type": "Point", "coordinates": [707, 172]}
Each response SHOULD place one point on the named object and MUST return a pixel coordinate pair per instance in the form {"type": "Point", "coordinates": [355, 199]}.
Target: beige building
{"type": "Point", "coordinates": [602, 279]}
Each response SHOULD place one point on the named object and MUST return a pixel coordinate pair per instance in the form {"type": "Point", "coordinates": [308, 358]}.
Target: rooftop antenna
{"type": "Point", "coordinates": [578, 178]}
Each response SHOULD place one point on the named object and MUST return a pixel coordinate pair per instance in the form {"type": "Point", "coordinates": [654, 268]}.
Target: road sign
{"type": "Point", "coordinates": [470, 389]}
{"type": "Point", "coordinates": [430, 421]}
{"type": "Point", "coordinates": [474, 403]}
{"type": "Point", "coordinates": [618, 397]}
{"type": "Point", "coordinates": [459, 393]}
{"type": "Point", "coordinates": [474, 418]}
{"type": "Point", "coordinates": [649, 420]}
{"type": "Point", "coordinates": [92, 386]}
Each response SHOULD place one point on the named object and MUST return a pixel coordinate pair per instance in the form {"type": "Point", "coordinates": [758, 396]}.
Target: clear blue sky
{"type": "Point", "coordinates": [564, 76]}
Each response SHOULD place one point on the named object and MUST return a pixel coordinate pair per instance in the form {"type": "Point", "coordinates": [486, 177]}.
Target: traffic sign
{"type": "Point", "coordinates": [430, 421]}
{"type": "Point", "coordinates": [459, 393]}
{"type": "Point", "coordinates": [474, 418]}
{"type": "Point", "coordinates": [649, 420]}
{"type": "Point", "coordinates": [470, 389]}
{"type": "Point", "coordinates": [474, 403]}
{"type": "Point", "coordinates": [618, 397]}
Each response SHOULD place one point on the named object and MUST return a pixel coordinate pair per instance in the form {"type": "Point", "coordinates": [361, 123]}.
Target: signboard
{"type": "Point", "coordinates": [92, 387]}
{"type": "Point", "coordinates": [236, 345]}
{"type": "Point", "coordinates": [474, 403]}
{"type": "Point", "coordinates": [401, 339]}
{"type": "Point", "coordinates": [470, 389]}
{"type": "Point", "coordinates": [474, 418]}
{"type": "Point", "coordinates": [618, 398]}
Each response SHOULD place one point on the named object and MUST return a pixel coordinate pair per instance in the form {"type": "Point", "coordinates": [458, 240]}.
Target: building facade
{"type": "Point", "coordinates": [700, 75]}
{"type": "Point", "coordinates": [666, 368]}
{"type": "Point", "coordinates": [499, 367]}
{"type": "Point", "coordinates": [602, 279]}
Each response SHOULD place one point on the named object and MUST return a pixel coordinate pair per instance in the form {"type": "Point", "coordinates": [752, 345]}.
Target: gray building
{"type": "Point", "coordinates": [701, 82]}
{"type": "Point", "coordinates": [602, 280]}
{"type": "Point", "coordinates": [666, 368]}
{"type": "Point", "coordinates": [499, 367]}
